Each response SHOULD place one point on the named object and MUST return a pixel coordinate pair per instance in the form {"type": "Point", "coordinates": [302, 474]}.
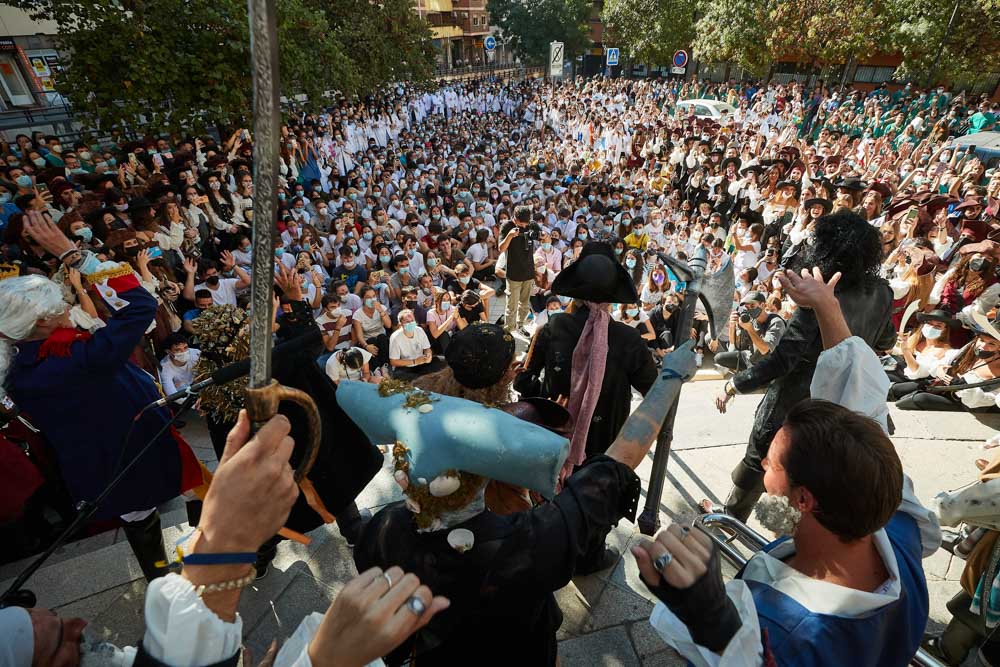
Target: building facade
{"type": "Point", "coordinates": [458, 28]}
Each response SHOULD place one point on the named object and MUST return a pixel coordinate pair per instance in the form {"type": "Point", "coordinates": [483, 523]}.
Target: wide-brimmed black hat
{"type": "Point", "coordinates": [596, 276]}
{"type": "Point", "coordinates": [731, 160]}
{"type": "Point", "coordinates": [752, 217]}
{"type": "Point", "coordinates": [939, 316]}
{"type": "Point", "coordinates": [480, 354]}
{"type": "Point", "coordinates": [850, 183]}
{"type": "Point", "coordinates": [819, 201]}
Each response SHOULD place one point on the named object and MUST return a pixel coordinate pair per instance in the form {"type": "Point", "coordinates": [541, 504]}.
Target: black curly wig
{"type": "Point", "coordinates": [844, 242]}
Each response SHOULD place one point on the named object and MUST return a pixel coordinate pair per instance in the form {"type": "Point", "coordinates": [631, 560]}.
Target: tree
{"type": "Point", "coordinates": [529, 25]}
{"type": "Point", "coordinates": [734, 31]}
{"type": "Point", "coordinates": [170, 65]}
{"type": "Point", "coordinates": [829, 31]}
{"type": "Point", "coordinates": [649, 31]}
{"type": "Point", "coordinates": [971, 46]}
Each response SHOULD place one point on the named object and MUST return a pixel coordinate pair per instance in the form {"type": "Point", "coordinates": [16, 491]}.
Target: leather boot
{"type": "Point", "coordinates": [146, 539]}
{"type": "Point", "coordinates": [748, 484]}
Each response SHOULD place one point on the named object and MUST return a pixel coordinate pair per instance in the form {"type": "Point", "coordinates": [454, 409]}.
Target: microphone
{"type": "Point", "coordinates": [238, 369]}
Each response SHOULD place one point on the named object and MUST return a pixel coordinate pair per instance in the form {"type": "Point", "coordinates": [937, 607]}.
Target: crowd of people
{"type": "Point", "coordinates": [403, 215]}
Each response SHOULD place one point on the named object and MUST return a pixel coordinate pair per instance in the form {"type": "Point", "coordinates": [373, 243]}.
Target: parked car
{"type": "Point", "coordinates": [706, 109]}
{"type": "Point", "coordinates": [987, 146]}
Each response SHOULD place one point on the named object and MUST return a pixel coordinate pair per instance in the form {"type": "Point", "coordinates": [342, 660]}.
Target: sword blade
{"type": "Point", "coordinates": [267, 128]}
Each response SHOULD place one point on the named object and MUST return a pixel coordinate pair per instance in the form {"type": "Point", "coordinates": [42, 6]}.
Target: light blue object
{"type": "Point", "coordinates": [458, 435]}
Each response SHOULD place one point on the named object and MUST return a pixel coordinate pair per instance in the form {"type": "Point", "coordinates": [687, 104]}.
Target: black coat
{"type": "Point", "coordinates": [502, 609]}
{"type": "Point", "coordinates": [787, 371]}
{"type": "Point", "coordinates": [629, 365]}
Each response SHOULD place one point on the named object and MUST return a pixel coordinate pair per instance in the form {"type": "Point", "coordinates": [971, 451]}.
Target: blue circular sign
{"type": "Point", "coordinates": [680, 58]}
{"type": "Point", "coordinates": [490, 43]}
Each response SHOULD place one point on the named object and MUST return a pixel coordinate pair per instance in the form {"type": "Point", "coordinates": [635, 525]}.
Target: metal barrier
{"type": "Point", "coordinates": [755, 541]}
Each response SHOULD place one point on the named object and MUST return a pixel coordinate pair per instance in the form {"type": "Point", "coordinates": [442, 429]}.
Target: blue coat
{"type": "Point", "coordinates": [84, 404]}
{"type": "Point", "coordinates": [887, 637]}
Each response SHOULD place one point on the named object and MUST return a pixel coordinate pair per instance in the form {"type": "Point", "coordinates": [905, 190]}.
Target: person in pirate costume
{"type": "Point", "coordinates": [83, 392]}
{"type": "Point", "coordinates": [842, 243]}
{"type": "Point", "coordinates": [499, 572]}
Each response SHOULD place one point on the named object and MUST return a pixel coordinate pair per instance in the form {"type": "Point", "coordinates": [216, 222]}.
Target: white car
{"type": "Point", "coordinates": [718, 111]}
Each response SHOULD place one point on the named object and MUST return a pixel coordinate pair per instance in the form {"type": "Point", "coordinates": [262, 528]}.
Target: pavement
{"type": "Point", "coordinates": [605, 615]}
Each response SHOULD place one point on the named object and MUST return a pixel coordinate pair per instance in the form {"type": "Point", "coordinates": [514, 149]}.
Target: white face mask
{"type": "Point", "coordinates": [931, 333]}
{"type": "Point", "coordinates": [182, 357]}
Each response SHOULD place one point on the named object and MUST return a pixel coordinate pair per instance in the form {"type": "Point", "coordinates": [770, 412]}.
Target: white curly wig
{"type": "Point", "coordinates": [24, 301]}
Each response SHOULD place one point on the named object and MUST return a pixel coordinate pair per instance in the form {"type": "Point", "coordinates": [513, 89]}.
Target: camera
{"type": "Point", "coordinates": [532, 233]}
{"type": "Point", "coordinates": [744, 313]}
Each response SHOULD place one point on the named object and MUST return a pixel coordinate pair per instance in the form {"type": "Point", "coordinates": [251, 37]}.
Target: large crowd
{"type": "Point", "coordinates": [403, 216]}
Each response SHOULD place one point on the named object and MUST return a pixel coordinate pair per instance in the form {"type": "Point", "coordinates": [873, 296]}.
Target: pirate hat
{"type": "Point", "coordinates": [939, 315]}
{"type": "Point", "coordinates": [728, 161]}
{"type": "Point", "coordinates": [819, 201]}
{"type": "Point", "coordinates": [596, 276]}
{"type": "Point", "coordinates": [850, 183]}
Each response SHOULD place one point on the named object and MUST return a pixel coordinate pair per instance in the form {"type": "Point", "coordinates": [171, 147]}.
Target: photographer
{"type": "Point", "coordinates": [753, 333]}
{"type": "Point", "coordinates": [518, 242]}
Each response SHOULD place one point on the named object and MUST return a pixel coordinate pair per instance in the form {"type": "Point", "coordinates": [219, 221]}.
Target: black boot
{"type": "Point", "coordinates": [748, 484]}
{"type": "Point", "coordinates": [146, 539]}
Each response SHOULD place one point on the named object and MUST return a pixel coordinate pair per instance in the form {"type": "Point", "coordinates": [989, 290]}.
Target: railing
{"type": "Point", "coordinates": [502, 71]}
{"type": "Point", "coordinates": [755, 541]}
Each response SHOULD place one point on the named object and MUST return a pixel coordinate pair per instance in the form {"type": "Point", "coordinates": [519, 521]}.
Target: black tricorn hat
{"type": "Point", "coordinates": [939, 316]}
{"type": "Point", "coordinates": [819, 201]}
{"type": "Point", "coordinates": [596, 276]}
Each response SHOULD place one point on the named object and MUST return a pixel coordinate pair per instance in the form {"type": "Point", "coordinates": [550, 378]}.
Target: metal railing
{"type": "Point", "coordinates": [744, 534]}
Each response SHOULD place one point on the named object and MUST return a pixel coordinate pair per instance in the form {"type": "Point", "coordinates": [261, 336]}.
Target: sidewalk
{"type": "Point", "coordinates": [605, 614]}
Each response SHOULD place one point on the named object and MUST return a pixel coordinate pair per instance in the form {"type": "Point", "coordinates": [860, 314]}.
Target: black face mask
{"type": "Point", "coordinates": [212, 280]}
{"type": "Point", "coordinates": [670, 307]}
{"type": "Point", "coordinates": [132, 251]}
{"type": "Point", "coordinates": [753, 312]}
{"type": "Point", "coordinates": [410, 304]}
{"type": "Point", "coordinates": [984, 354]}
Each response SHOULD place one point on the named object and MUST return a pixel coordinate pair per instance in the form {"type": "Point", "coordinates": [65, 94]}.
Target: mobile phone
{"type": "Point", "coordinates": [158, 160]}
{"type": "Point", "coordinates": [154, 251]}
{"type": "Point", "coordinates": [132, 160]}
{"type": "Point", "coordinates": [972, 149]}
{"type": "Point", "coordinates": [41, 187]}
{"type": "Point", "coordinates": [912, 214]}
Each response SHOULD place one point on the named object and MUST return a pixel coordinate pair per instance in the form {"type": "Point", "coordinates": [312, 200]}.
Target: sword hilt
{"type": "Point", "coordinates": [262, 404]}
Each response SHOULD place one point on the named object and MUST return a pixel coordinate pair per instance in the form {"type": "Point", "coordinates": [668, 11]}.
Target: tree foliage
{"type": "Point", "coordinates": [529, 25]}
{"type": "Point", "coordinates": [650, 30]}
{"type": "Point", "coordinates": [182, 64]}
{"type": "Point", "coordinates": [754, 33]}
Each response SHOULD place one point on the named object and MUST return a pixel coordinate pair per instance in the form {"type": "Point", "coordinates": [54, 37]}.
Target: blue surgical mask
{"type": "Point", "coordinates": [403, 270]}
{"type": "Point", "coordinates": [278, 252]}
{"type": "Point", "coordinates": [565, 300]}
{"type": "Point", "coordinates": [84, 233]}
{"type": "Point", "coordinates": [368, 236]}
{"type": "Point", "coordinates": [410, 327]}
{"type": "Point", "coordinates": [411, 252]}
{"type": "Point", "coordinates": [546, 246]}
{"type": "Point", "coordinates": [631, 312]}
{"type": "Point", "coordinates": [369, 303]}
{"type": "Point", "coordinates": [432, 262]}
{"type": "Point", "coordinates": [618, 251]}
{"type": "Point", "coordinates": [630, 262]}
{"type": "Point", "coordinates": [555, 312]}
{"type": "Point", "coordinates": [446, 305]}
{"type": "Point", "coordinates": [582, 236]}
{"type": "Point", "coordinates": [4, 197]}
{"type": "Point", "coordinates": [464, 279]}
{"type": "Point", "coordinates": [23, 181]}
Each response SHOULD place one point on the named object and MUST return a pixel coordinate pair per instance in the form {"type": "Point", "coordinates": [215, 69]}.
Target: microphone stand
{"type": "Point", "coordinates": [692, 273]}
{"type": "Point", "coordinates": [15, 596]}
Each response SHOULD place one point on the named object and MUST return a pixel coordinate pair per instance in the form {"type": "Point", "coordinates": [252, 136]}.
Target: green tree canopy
{"type": "Point", "coordinates": [529, 25]}
{"type": "Point", "coordinates": [650, 31]}
{"type": "Point", "coordinates": [184, 64]}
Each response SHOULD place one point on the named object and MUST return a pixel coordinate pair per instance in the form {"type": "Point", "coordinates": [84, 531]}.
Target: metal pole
{"type": "Point", "coordinates": [937, 57]}
{"type": "Point", "coordinates": [649, 520]}
{"type": "Point", "coordinates": [267, 129]}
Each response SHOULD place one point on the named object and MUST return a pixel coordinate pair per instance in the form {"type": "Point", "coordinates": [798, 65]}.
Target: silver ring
{"type": "Point", "coordinates": [663, 561]}
{"type": "Point", "coordinates": [385, 575]}
{"type": "Point", "coordinates": [416, 605]}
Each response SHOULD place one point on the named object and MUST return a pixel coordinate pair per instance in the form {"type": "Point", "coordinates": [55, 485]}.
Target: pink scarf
{"type": "Point", "coordinates": [589, 359]}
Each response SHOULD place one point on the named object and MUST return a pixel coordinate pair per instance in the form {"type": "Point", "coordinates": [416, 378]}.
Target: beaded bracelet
{"type": "Point", "coordinates": [223, 586]}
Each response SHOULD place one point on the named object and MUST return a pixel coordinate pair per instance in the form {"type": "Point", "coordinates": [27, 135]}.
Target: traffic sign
{"type": "Point", "coordinates": [490, 43]}
{"type": "Point", "coordinates": [680, 58]}
{"type": "Point", "coordinates": [556, 52]}
{"type": "Point", "coordinates": [612, 56]}
{"type": "Point", "coordinates": [678, 70]}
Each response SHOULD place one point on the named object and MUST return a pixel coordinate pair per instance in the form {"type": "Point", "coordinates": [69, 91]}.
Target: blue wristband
{"type": "Point", "coordinates": [220, 559]}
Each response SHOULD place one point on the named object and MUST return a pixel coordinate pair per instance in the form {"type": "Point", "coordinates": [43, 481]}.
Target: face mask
{"type": "Point", "coordinates": [369, 303]}
{"type": "Point", "coordinates": [565, 300]}
{"type": "Point", "coordinates": [384, 259]}
{"type": "Point", "coordinates": [978, 264]}
{"type": "Point", "coordinates": [4, 197]}
{"type": "Point", "coordinates": [432, 262]}
{"type": "Point", "coordinates": [23, 181]}
{"type": "Point", "coordinates": [777, 514]}
{"type": "Point", "coordinates": [84, 233]}
{"type": "Point", "coordinates": [753, 312]}
{"type": "Point", "coordinates": [464, 279]}
{"type": "Point", "coordinates": [983, 353]}
{"type": "Point", "coordinates": [212, 280]}
{"type": "Point", "coordinates": [630, 262]}
{"type": "Point", "coordinates": [403, 270]}
{"type": "Point", "coordinates": [582, 236]}
{"type": "Point", "coordinates": [367, 236]}
{"type": "Point", "coordinates": [670, 307]}
{"type": "Point", "coordinates": [410, 327]}
{"type": "Point", "coordinates": [121, 207]}
{"type": "Point", "coordinates": [618, 251]}
{"type": "Point", "coordinates": [182, 357]}
{"type": "Point", "coordinates": [931, 333]}
{"type": "Point", "coordinates": [350, 264]}
{"type": "Point", "coordinates": [215, 185]}
{"type": "Point", "coordinates": [278, 252]}
{"type": "Point", "coordinates": [631, 312]}
{"type": "Point", "coordinates": [85, 155]}
{"type": "Point", "coordinates": [446, 305]}
{"type": "Point", "coordinates": [39, 162]}
{"type": "Point", "coordinates": [659, 278]}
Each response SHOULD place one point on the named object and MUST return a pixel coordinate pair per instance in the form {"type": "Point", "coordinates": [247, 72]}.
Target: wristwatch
{"type": "Point", "coordinates": [730, 389]}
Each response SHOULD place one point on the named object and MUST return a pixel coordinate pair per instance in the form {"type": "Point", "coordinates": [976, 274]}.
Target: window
{"type": "Point", "coordinates": [871, 74]}
{"type": "Point", "coordinates": [12, 84]}
{"type": "Point", "coordinates": [702, 110]}
{"type": "Point", "coordinates": [475, 20]}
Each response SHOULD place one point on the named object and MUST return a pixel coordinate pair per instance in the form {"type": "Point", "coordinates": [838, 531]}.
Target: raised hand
{"type": "Point", "coordinates": [809, 290]}
{"type": "Point", "coordinates": [40, 227]}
